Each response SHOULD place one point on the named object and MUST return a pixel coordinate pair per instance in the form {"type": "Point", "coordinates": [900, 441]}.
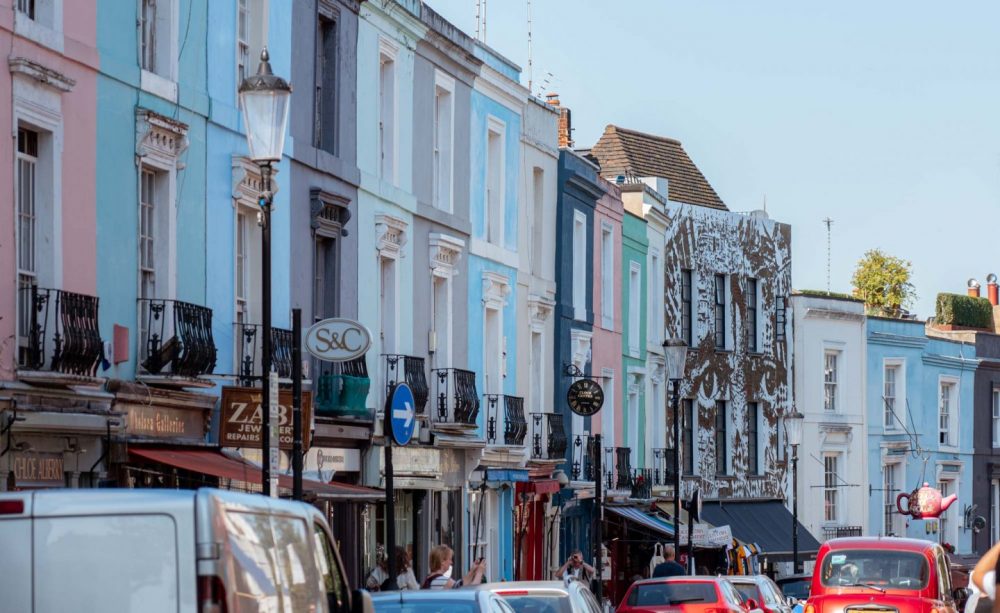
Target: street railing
{"type": "Point", "coordinates": [830, 532]}
{"type": "Point", "coordinates": [515, 426]}
{"type": "Point", "coordinates": [410, 370]}
{"type": "Point", "coordinates": [58, 331]}
{"type": "Point", "coordinates": [584, 458]}
{"type": "Point", "coordinates": [175, 338]}
{"type": "Point", "coordinates": [548, 436]}
{"type": "Point", "coordinates": [455, 396]}
{"type": "Point", "coordinates": [250, 352]}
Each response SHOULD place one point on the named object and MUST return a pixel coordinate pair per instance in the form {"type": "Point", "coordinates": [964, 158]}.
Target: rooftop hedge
{"type": "Point", "coordinates": [967, 311]}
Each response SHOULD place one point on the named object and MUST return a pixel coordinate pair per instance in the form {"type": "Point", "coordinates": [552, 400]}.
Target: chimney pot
{"type": "Point", "coordinates": [992, 290]}
{"type": "Point", "coordinates": [552, 99]}
{"type": "Point", "coordinates": [973, 288]}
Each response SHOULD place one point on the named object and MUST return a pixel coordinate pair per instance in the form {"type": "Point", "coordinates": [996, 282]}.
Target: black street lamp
{"type": "Point", "coordinates": [264, 98]}
{"type": "Point", "coordinates": [793, 429]}
{"type": "Point", "coordinates": [675, 354]}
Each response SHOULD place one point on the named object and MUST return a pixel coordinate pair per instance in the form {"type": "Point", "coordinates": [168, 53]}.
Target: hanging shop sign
{"type": "Point", "coordinates": [337, 339]}
{"type": "Point", "coordinates": [242, 417]}
{"type": "Point", "coordinates": [585, 397]}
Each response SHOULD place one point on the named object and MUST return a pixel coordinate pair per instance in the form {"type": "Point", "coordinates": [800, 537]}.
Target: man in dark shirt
{"type": "Point", "coordinates": [669, 568]}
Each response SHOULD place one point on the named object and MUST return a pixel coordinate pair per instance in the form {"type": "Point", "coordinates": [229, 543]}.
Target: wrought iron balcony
{"type": "Point", "coordinates": [663, 467]}
{"type": "Point", "coordinates": [584, 458]}
{"type": "Point", "coordinates": [410, 370]}
{"type": "Point", "coordinates": [622, 477]}
{"type": "Point", "coordinates": [175, 338]}
{"type": "Point", "coordinates": [455, 396]}
{"type": "Point", "coordinates": [342, 388]}
{"type": "Point", "coordinates": [515, 426]}
{"type": "Point", "coordinates": [642, 484]}
{"type": "Point", "coordinates": [58, 332]}
{"type": "Point", "coordinates": [831, 532]}
{"type": "Point", "coordinates": [250, 352]}
{"type": "Point", "coordinates": [548, 436]}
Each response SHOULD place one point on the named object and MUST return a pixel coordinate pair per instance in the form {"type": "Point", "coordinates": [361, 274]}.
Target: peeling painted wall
{"type": "Point", "coordinates": [711, 242]}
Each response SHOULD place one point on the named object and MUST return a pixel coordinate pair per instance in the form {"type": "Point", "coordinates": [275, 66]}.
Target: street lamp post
{"type": "Point", "coordinates": [793, 429]}
{"type": "Point", "coordinates": [264, 99]}
{"type": "Point", "coordinates": [675, 353]}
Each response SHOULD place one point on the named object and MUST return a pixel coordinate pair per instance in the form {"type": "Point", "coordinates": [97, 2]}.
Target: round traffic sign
{"type": "Point", "coordinates": [401, 413]}
{"type": "Point", "coordinates": [585, 397]}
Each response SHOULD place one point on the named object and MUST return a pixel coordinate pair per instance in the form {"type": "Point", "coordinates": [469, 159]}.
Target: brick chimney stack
{"type": "Point", "coordinates": [565, 127]}
{"type": "Point", "coordinates": [992, 290]}
{"type": "Point", "coordinates": [973, 288]}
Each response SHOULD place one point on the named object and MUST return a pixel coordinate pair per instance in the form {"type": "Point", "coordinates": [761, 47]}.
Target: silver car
{"type": "Point", "coordinates": [763, 591]}
{"type": "Point", "coordinates": [463, 600]}
{"type": "Point", "coordinates": [546, 596]}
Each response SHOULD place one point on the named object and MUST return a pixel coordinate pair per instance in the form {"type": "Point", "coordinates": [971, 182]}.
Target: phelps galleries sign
{"type": "Point", "coordinates": [242, 417]}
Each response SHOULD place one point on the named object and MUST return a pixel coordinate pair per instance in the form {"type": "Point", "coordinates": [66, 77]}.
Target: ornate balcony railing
{"type": "Point", "coordinates": [58, 332]}
{"type": "Point", "coordinates": [664, 467]}
{"type": "Point", "coordinates": [250, 352]}
{"type": "Point", "coordinates": [622, 478]}
{"type": "Point", "coordinates": [515, 426]}
{"type": "Point", "coordinates": [455, 395]}
{"type": "Point", "coordinates": [410, 370]}
{"type": "Point", "coordinates": [175, 338]}
{"type": "Point", "coordinates": [342, 388]}
{"type": "Point", "coordinates": [642, 484]}
{"type": "Point", "coordinates": [831, 532]}
{"type": "Point", "coordinates": [584, 458]}
{"type": "Point", "coordinates": [548, 436]}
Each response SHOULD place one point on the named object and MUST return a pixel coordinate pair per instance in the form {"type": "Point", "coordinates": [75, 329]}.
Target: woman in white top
{"type": "Point", "coordinates": [440, 577]}
{"type": "Point", "coordinates": [405, 580]}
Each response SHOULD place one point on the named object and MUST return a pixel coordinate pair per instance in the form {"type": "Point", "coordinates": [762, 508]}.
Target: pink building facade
{"type": "Point", "coordinates": [606, 361]}
{"type": "Point", "coordinates": [50, 345]}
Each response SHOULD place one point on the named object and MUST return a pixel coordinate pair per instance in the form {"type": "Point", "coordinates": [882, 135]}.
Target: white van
{"type": "Point", "coordinates": [168, 550]}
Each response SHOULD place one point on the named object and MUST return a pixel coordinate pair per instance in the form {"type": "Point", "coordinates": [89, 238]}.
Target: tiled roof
{"type": "Point", "coordinates": [636, 154]}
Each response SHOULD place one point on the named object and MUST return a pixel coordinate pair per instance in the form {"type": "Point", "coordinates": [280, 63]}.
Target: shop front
{"type": "Point", "coordinates": [536, 526]}
{"type": "Point", "coordinates": [54, 436]}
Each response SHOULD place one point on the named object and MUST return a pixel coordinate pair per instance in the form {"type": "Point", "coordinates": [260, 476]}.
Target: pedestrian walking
{"type": "Point", "coordinates": [576, 568]}
{"type": "Point", "coordinates": [669, 568]}
{"type": "Point", "coordinates": [379, 574]}
{"type": "Point", "coordinates": [441, 558]}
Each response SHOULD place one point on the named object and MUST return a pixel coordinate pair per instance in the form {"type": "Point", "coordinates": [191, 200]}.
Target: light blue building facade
{"type": "Point", "coordinates": [497, 107]}
{"type": "Point", "coordinates": [920, 404]}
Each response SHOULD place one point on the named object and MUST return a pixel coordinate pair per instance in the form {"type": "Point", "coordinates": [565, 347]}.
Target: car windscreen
{"type": "Point", "coordinates": [442, 605]}
{"type": "Point", "coordinates": [796, 588]}
{"type": "Point", "coordinates": [539, 603]}
{"type": "Point", "coordinates": [661, 594]}
{"type": "Point", "coordinates": [747, 591]}
{"type": "Point", "coordinates": [885, 568]}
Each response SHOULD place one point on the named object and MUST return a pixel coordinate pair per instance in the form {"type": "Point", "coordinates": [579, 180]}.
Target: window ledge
{"type": "Point", "coordinates": [158, 86]}
{"type": "Point", "coordinates": [40, 33]}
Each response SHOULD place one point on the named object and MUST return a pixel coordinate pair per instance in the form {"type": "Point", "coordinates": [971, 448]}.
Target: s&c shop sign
{"type": "Point", "coordinates": [337, 340]}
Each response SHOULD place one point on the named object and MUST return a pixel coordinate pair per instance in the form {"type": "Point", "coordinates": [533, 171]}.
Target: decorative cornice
{"type": "Point", "coordinates": [445, 253]}
{"type": "Point", "coordinates": [329, 213]}
{"type": "Point", "coordinates": [950, 362]}
{"type": "Point", "coordinates": [580, 346]}
{"type": "Point", "coordinates": [45, 76]}
{"type": "Point", "coordinates": [496, 288]}
{"type": "Point", "coordinates": [390, 235]}
{"type": "Point", "coordinates": [896, 340]}
{"type": "Point", "coordinates": [247, 182]}
{"type": "Point", "coordinates": [816, 313]}
{"type": "Point", "coordinates": [539, 309]}
{"type": "Point", "coordinates": [160, 137]}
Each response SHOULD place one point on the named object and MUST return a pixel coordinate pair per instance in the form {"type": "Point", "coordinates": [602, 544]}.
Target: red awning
{"type": "Point", "coordinates": [539, 486]}
{"type": "Point", "coordinates": [211, 462]}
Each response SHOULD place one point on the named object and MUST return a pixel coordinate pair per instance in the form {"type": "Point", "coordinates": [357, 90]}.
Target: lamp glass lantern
{"type": "Point", "coordinates": [793, 427]}
{"type": "Point", "coordinates": [675, 351]}
{"type": "Point", "coordinates": [264, 98]}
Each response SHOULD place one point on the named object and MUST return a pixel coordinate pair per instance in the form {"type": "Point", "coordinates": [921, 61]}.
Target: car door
{"type": "Point", "coordinates": [333, 579]}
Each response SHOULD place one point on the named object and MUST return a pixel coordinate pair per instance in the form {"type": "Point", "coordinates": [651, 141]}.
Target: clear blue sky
{"type": "Point", "coordinates": [881, 115]}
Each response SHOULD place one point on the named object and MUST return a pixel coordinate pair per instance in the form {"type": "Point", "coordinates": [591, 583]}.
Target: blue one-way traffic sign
{"type": "Point", "coordinates": [401, 413]}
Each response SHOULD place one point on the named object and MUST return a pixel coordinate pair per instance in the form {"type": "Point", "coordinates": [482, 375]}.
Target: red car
{"type": "Point", "coordinates": [693, 594]}
{"type": "Point", "coordinates": [873, 574]}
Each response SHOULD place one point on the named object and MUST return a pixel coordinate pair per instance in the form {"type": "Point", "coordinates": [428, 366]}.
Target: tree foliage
{"type": "Point", "coordinates": [883, 282]}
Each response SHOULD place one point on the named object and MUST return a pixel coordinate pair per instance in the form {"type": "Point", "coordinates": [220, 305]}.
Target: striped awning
{"type": "Point", "coordinates": [644, 519]}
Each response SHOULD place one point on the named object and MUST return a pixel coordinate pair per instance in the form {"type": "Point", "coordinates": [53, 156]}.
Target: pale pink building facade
{"type": "Point", "coordinates": [606, 361]}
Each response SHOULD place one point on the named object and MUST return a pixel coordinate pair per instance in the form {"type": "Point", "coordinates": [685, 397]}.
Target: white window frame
{"type": "Point", "coordinates": [948, 521]}
{"type": "Point", "coordinates": [953, 416]}
{"type": "Point", "coordinates": [758, 420]}
{"type": "Point", "coordinates": [579, 265]}
{"type": "Point", "coordinates": [655, 313]}
{"type": "Point", "coordinates": [755, 302]}
{"type": "Point", "coordinates": [391, 236]}
{"type": "Point", "coordinates": [445, 252]}
{"type": "Point", "coordinates": [387, 162]}
{"type": "Point", "coordinates": [608, 425]}
{"type": "Point", "coordinates": [889, 497]}
{"type": "Point", "coordinates": [994, 510]}
{"type": "Point", "coordinates": [498, 217]}
{"type": "Point", "coordinates": [443, 143]}
{"type": "Point", "coordinates": [899, 399]}
{"type": "Point", "coordinates": [537, 219]}
{"type": "Point", "coordinates": [636, 387]}
{"type": "Point", "coordinates": [162, 80]}
{"type": "Point", "coordinates": [634, 307]}
{"type": "Point", "coordinates": [831, 388]}
{"type": "Point", "coordinates": [248, 49]}
{"type": "Point", "coordinates": [607, 276]}
{"type": "Point", "coordinates": [496, 289]}
{"type": "Point", "coordinates": [995, 399]}
{"type": "Point", "coordinates": [46, 28]}
{"type": "Point", "coordinates": [832, 492]}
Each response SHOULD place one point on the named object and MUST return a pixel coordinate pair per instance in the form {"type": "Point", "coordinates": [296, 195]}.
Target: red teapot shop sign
{"type": "Point", "coordinates": [924, 503]}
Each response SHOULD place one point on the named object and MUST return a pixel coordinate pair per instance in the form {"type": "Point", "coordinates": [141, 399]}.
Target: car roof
{"type": "Point", "coordinates": [887, 542]}
{"type": "Point", "coordinates": [796, 577]}
{"type": "Point", "coordinates": [681, 579]}
{"type": "Point", "coordinates": [525, 585]}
